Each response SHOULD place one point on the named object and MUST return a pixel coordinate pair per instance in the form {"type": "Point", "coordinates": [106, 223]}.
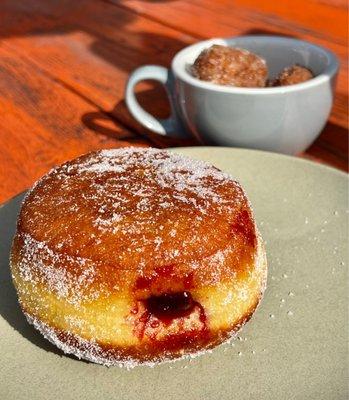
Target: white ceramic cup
{"type": "Point", "coordinates": [285, 119]}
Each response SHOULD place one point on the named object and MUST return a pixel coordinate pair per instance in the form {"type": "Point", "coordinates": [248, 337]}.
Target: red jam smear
{"type": "Point", "coordinates": [165, 298]}
{"type": "Point", "coordinates": [163, 275]}
{"type": "Point", "coordinates": [160, 311]}
{"type": "Point", "coordinates": [188, 281]}
{"type": "Point", "coordinates": [145, 282]}
{"type": "Point", "coordinates": [243, 225]}
{"type": "Point", "coordinates": [170, 306]}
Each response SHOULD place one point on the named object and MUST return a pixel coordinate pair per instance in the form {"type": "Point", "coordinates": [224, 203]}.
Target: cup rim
{"type": "Point", "coordinates": [185, 76]}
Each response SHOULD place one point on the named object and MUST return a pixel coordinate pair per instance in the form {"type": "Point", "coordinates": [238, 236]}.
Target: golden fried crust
{"type": "Point", "coordinates": [129, 218]}
{"type": "Point", "coordinates": [107, 242]}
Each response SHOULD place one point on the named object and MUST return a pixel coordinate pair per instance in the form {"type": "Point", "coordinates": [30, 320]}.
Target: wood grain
{"type": "Point", "coordinates": [41, 126]}
{"type": "Point", "coordinates": [94, 57]}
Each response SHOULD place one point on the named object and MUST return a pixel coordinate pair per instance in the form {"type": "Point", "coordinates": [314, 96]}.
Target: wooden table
{"type": "Point", "coordinates": [64, 64]}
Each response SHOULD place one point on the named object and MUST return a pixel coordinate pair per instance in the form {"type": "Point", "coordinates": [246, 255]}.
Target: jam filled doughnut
{"type": "Point", "coordinates": [230, 66]}
{"type": "Point", "coordinates": [134, 256]}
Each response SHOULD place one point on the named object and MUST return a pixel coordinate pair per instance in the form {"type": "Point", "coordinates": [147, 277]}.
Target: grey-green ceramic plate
{"type": "Point", "coordinates": [295, 347]}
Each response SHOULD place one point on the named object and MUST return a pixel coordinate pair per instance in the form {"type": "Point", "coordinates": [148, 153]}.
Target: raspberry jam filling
{"type": "Point", "coordinates": [171, 319]}
{"type": "Point", "coordinates": [170, 305]}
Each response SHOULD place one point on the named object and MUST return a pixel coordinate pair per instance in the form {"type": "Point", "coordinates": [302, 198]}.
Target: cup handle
{"type": "Point", "coordinates": [170, 126]}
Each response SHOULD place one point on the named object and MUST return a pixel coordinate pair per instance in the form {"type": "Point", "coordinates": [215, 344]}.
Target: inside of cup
{"type": "Point", "coordinates": [278, 52]}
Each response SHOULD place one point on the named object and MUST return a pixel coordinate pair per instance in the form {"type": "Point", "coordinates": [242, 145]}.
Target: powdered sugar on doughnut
{"type": "Point", "coordinates": [112, 229]}
{"type": "Point", "coordinates": [135, 197]}
{"type": "Point", "coordinates": [93, 352]}
{"type": "Point", "coordinates": [90, 350]}
{"type": "Point", "coordinates": [186, 177]}
{"type": "Point", "coordinates": [131, 209]}
{"type": "Point", "coordinates": [39, 264]}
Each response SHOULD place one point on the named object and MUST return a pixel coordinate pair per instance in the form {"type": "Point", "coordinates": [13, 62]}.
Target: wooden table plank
{"type": "Point", "coordinates": [315, 18]}
{"type": "Point", "coordinates": [40, 125]}
{"type": "Point", "coordinates": [314, 21]}
{"type": "Point", "coordinates": [325, 155]}
{"type": "Point", "coordinates": [311, 15]}
{"type": "Point", "coordinates": [94, 57]}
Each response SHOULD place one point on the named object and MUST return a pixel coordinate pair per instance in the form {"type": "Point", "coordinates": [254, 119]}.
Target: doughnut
{"type": "Point", "coordinates": [137, 256]}
{"type": "Point", "coordinates": [293, 75]}
{"type": "Point", "coordinates": [230, 66]}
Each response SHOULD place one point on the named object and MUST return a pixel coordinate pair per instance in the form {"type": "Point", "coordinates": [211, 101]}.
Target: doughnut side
{"type": "Point", "coordinates": [112, 330]}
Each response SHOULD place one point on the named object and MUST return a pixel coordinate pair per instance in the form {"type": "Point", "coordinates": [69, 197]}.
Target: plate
{"type": "Point", "coordinates": [295, 346]}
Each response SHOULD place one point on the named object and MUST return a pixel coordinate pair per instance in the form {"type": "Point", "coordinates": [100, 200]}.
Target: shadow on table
{"type": "Point", "coordinates": [159, 107]}
{"type": "Point", "coordinates": [135, 48]}
{"type": "Point", "coordinates": [9, 307]}
{"type": "Point", "coordinates": [151, 95]}
{"type": "Point", "coordinates": [266, 32]}
{"type": "Point", "coordinates": [103, 123]}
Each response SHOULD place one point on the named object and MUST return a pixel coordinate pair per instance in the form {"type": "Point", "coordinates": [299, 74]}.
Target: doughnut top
{"type": "Point", "coordinates": [130, 213]}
